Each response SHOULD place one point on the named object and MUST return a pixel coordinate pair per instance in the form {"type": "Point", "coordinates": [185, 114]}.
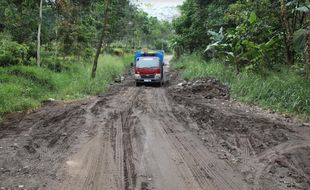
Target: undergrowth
{"type": "Point", "coordinates": [281, 91]}
{"type": "Point", "coordinates": [23, 87]}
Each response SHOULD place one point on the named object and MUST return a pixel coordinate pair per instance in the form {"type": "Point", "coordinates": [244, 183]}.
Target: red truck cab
{"type": "Point", "coordinates": [148, 70]}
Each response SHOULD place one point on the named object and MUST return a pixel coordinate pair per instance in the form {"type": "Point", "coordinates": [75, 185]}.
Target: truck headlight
{"type": "Point", "coordinates": [157, 76]}
{"type": "Point", "coordinates": [137, 76]}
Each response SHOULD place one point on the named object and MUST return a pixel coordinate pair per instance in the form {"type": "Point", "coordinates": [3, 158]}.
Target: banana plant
{"type": "Point", "coordinates": [236, 48]}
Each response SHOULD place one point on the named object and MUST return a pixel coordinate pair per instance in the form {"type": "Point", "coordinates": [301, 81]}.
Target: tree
{"type": "Point", "coordinates": [51, 29]}
{"type": "Point", "coordinates": [39, 35]}
{"type": "Point", "coordinates": [258, 34]}
{"type": "Point", "coordinates": [307, 52]}
{"type": "Point", "coordinates": [101, 39]}
{"type": "Point", "coordinates": [288, 33]}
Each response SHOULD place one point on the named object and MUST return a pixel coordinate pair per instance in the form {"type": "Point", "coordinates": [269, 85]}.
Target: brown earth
{"type": "Point", "coordinates": [188, 135]}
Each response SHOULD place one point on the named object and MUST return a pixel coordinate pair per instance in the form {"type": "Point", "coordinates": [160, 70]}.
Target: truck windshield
{"type": "Point", "coordinates": [147, 62]}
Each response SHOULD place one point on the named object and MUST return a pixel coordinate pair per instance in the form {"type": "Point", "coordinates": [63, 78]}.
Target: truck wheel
{"type": "Point", "coordinates": [138, 84]}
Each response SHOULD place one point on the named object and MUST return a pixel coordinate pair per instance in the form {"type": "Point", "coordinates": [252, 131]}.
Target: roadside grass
{"type": "Point", "coordinates": [282, 91]}
{"type": "Point", "coordinates": [23, 87]}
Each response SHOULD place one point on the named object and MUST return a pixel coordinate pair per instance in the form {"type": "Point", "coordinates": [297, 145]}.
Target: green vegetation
{"type": "Point", "coordinates": [259, 48]}
{"type": "Point", "coordinates": [73, 27]}
{"type": "Point", "coordinates": [50, 55]}
{"type": "Point", "coordinates": [246, 34]}
{"type": "Point", "coordinates": [283, 91]}
{"type": "Point", "coordinates": [25, 87]}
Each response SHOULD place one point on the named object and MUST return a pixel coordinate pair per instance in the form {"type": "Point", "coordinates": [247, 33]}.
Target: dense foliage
{"type": "Point", "coordinates": [72, 28]}
{"type": "Point", "coordinates": [255, 35]}
{"type": "Point", "coordinates": [65, 39]}
{"type": "Point", "coordinates": [260, 48]}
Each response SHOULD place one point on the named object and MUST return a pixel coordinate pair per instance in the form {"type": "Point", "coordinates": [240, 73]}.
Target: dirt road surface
{"type": "Point", "coordinates": [184, 136]}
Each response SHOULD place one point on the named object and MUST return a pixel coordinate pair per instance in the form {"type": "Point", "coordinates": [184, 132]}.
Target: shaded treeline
{"type": "Point", "coordinates": [252, 35]}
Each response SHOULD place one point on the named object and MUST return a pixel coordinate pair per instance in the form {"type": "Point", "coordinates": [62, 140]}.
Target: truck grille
{"type": "Point", "coordinates": [148, 76]}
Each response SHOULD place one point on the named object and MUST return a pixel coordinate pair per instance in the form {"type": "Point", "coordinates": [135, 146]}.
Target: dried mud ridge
{"type": "Point", "coordinates": [187, 136]}
{"type": "Point", "coordinates": [206, 87]}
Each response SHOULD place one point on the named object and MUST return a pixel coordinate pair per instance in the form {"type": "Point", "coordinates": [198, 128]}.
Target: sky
{"type": "Point", "coordinates": [163, 3]}
{"type": "Point", "coordinates": [162, 9]}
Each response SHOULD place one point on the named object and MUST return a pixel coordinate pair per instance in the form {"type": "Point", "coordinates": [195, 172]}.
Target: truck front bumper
{"type": "Point", "coordinates": [148, 80]}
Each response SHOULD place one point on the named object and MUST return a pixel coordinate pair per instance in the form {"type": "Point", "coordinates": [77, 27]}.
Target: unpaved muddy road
{"type": "Point", "coordinates": [171, 138]}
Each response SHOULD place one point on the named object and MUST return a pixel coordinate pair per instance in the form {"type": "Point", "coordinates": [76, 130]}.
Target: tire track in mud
{"type": "Point", "coordinates": [129, 166]}
{"type": "Point", "coordinates": [142, 145]}
{"type": "Point", "coordinates": [106, 162]}
{"type": "Point", "coordinates": [203, 167]}
{"type": "Point", "coordinates": [41, 144]}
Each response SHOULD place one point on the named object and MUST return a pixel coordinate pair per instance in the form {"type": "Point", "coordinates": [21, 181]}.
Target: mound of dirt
{"type": "Point", "coordinates": [269, 150]}
{"type": "Point", "coordinates": [206, 87]}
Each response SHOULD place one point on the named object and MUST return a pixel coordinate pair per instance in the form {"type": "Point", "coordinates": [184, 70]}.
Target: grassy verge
{"type": "Point", "coordinates": [282, 91]}
{"type": "Point", "coordinates": [23, 87]}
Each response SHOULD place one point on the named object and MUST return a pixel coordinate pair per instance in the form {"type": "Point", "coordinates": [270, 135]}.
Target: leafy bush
{"type": "Point", "coordinates": [240, 47]}
{"type": "Point", "coordinates": [117, 51]}
{"type": "Point", "coordinates": [12, 53]}
{"type": "Point", "coordinates": [88, 53]}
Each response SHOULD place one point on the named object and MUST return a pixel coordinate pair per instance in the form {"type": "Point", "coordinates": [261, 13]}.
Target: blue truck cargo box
{"type": "Point", "coordinates": [156, 53]}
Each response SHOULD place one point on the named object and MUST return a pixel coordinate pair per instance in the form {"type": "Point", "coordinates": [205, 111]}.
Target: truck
{"type": "Point", "coordinates": [149, 67]}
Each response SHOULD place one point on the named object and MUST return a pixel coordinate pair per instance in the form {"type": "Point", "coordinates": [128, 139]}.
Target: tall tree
{"type": "Point", "coordinates": [39, 35]}
{"type": "Point", "coordinates": [101, 39]}
{"type": "Point", "coordinates": [307, 52]}
{"type": "Point", "coordinates": [288, 34]}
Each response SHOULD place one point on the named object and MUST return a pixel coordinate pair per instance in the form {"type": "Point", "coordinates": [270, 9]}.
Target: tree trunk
{"type": "Point", "coordinates": [307, 52]}
{"type": "Point", "coordinates": [288, 33]}
{"type": "Point", "coordinates": [101, 39]}
{"type": "Point", "coordinates": [39, 36]}
{"type": "Point", "coordinates": [56, 45]}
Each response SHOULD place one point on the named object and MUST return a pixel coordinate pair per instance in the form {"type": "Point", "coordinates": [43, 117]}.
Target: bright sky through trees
{"type": "Point", "coordinates": [162, 2]}
{"type": "Point", "coordinates": [162, 9]}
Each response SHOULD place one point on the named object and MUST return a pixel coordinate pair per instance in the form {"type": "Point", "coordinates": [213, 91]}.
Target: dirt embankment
{"type": "Point", "coordinates": [186, 136]}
